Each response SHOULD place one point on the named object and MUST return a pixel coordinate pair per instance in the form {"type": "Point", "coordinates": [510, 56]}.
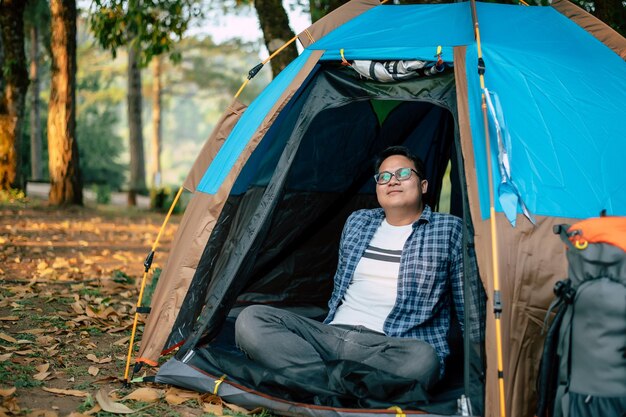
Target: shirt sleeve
{"type": "Point", "coordinates": [333, 302]}
{"type": "Point", "coordinates": [476, 295]}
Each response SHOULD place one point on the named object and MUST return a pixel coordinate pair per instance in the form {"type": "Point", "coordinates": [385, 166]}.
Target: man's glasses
{"type": "Point", "coordinates": [401, 174]}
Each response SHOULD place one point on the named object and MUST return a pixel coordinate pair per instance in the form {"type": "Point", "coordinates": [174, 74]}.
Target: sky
{"type": "Point", "coordinates": [246, 25]}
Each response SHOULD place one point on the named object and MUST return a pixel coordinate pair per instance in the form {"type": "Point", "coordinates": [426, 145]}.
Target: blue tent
{"type": "Point", "coordinates": [276, 179]}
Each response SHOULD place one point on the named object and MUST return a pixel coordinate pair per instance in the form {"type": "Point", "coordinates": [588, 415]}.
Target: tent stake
{"type": "Point", "coordinates": [147, 265]}
{"type": "Point", "coordinates": [497, 300]}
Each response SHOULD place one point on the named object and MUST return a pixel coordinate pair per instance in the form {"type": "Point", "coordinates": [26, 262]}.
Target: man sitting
{"type": "Point", "coordinates": [400, 270]}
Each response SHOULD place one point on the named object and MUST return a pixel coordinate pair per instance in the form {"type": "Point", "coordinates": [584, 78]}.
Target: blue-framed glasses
{"type": "Point", "coordinates": [401, 174]}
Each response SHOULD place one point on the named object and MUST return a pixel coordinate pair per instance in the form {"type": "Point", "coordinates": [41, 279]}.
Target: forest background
{"type": "Point", "coordinates": [98, 97]}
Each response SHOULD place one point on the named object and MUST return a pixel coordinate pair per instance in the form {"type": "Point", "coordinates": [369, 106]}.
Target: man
{"type": "Point", "coordinates": [400, 270]}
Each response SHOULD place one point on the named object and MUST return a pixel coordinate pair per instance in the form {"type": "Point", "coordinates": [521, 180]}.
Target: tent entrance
{"type": "Point", "coordinates": [276, 241]}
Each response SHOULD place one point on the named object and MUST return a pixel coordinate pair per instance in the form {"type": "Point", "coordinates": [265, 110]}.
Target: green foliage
{"type": "Point", "coordinates": [122, 278]}
{"type": "Point", "coordinates": [149, 290]}
{"type": "Point", "coordinates": [103, 193]}
{"type": "Point", "coordinates": [151, 27]}
{"type": "Point", "coordinates": [157, 198]}
{"type": "Point", "coordinates": [98, 144]}
{"type": "Point", "coordinates": [19, 375]}
{"type": "Point", "coordinates": [12, 195]}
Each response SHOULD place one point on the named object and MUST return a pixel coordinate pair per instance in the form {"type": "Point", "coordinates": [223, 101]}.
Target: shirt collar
{"type": "Point", "coordinates": [424, 217]}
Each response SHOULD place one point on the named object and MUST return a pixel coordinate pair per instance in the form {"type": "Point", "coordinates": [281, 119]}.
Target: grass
{"type": "Point", "coordinates": [18, 375]}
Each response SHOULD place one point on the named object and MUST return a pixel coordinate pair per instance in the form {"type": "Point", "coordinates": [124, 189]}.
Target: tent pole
{"type": "Point", "coordinates": [497, 300]}
{"type": "Point", "coordinates": [147, 264]}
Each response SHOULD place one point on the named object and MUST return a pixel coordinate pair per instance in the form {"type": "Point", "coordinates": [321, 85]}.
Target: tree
{"type": "Point", "coordinates": [149, 29]}
{"type": "Point", "coordinates": [13, 98]}
{"type": "Point", "coordinates": [36, 25]}
{"type": "Point", "coordinates": [276, 31]}
{"type": "Point", "coordinates": [156, 122]}
{"type": "Point", "coordinates": [63, 159]}
{"type": "Point", "coordinates": [320, 8]}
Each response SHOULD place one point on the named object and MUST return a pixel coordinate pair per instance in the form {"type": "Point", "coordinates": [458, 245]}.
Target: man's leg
{"type": "Point", "coordinates": [409, 358]}
{"type": "Point", "coordinates": [277, 338]}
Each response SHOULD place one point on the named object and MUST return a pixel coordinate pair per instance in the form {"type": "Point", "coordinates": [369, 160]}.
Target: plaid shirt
{"type": "Point", "coordinates": [431, 272]}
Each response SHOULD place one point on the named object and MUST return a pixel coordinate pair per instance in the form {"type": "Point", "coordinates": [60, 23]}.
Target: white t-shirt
{"type": "Point", "coordinates": [373, 290]}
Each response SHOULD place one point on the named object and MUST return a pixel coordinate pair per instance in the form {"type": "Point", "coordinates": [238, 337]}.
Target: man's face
{"type": "Point", "coordinates": [396, 194]}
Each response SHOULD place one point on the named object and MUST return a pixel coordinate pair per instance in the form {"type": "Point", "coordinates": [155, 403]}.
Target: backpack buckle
{"type": "Point", "coordinates": [564, 290]}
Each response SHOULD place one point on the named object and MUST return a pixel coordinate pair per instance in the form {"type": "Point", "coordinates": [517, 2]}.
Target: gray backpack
{"type": "Point", "coordinates": [583, 367]}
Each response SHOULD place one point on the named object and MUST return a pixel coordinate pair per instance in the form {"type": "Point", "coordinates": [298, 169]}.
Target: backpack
{"type": "Point", "coordinates": [583, 366]}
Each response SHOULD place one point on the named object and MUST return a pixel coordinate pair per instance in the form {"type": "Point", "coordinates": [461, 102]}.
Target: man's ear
{"type": "Point", "coordinates": [424, 186]}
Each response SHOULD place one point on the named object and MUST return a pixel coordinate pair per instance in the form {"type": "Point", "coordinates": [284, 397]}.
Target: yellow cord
{"type": "Point", "coordinates": [218, 383]}
{"type": "Point", "coordinates": [398, 410]}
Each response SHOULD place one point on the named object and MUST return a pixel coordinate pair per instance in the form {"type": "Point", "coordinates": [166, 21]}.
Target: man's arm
{"type": "Point", "coordinates": [458, 278]}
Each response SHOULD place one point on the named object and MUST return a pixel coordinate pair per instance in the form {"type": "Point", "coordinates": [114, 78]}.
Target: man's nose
{"type": "Point", "coordinates": [394, 180]}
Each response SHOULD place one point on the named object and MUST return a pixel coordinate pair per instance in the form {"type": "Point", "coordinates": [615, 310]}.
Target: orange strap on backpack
{"type": "Point", "coordinates": [609, 229]}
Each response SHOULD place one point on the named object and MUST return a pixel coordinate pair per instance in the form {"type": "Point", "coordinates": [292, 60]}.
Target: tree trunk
{"type": "Point", "coordinates": [13, 99]}
{"type": "Point", "coordinates": [137, 163]}
{"type": "Point", "coordinates": [156, 122]}
{"type": "Point", "coordinates": [613, 13]}
{"type": "Point", "coordinates": [276, 31]}
{"type": "Point", "coordinates": [36, 172]}
{"type": "Point", "coordinates": [320, 8]}
{"type": "Point", "coordinates": [65, 181]}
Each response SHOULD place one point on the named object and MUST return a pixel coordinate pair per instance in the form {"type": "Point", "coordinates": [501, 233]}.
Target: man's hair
{"type": "Point", "coordinates": [403, 151]}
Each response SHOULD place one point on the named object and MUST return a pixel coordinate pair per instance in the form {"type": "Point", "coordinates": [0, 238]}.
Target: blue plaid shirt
{"type": "Point", "coordinates": [431, 273]}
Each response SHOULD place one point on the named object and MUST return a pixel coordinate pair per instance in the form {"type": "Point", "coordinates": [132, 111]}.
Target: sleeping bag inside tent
{"type": "Point", "coordinates": [276, 181]}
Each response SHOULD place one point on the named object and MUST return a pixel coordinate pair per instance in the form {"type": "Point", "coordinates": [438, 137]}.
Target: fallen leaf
{"type": "Point", "coordinates": [7, 392]}
{"type": "Point", "coordinates": [121, 341]}
{"type": "Point", "coordinates": [7, 338]}
{"type": "Point", "coordinates": [214, 409]}
{"type": "Point", "coordinates": [34, 331]}
{"type": "Point", "coordinates": [11, 405]}
{"type": "Point", "coordinates": [236, 408]}
{"type": "Point", "coordinates": [111, 406]}
{"type": "Point", "coordinates": [43, 368]}
{"type": "Point", "coordinates": [5, 357]}
{"type": "Point", "coordinates": [147, 395]}
{"type": "Point", "coordinates": [177, 396]}
{"type": "Point", "coordinates": [41, 376]}
{"type": "Point", "coordinates": [25, 352]}
{"type": "Point", "coordinates": [93, 371]}
{"type": "Point", "coordinates": [72, 392]}
{"type": "Point", "coordinates": [9, 318]}
{"type": "Point", "coordinates": [95, 359]}
{"type": "Point", "coordinates": [96, 409]}
{"type": "Point", "coordinates": [78, 309]}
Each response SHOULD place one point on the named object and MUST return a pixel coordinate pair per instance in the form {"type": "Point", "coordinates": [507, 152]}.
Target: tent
{"type": "Point", "coordinates": [276, 180]}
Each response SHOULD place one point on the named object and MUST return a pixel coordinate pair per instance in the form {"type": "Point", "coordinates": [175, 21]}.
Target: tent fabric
{"type": "Point", "coordinates": [220, 132]}
{"type": "Point", "coordinates": [260, 114]}
{"type": "Point", "coordinates": [179, 373]}
{"type": "Point", "coordinates": [604, 33]}
{"type": "Point", "coordinates": [535, 69]}
{"type": "Point", "coordinates": [335, 19]}
{"type": "Point", "coordinates": [562, 93]}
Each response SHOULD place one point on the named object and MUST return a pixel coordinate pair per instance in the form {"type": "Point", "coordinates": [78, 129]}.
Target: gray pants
{"type": "Point", "coordinates": [279, 339]}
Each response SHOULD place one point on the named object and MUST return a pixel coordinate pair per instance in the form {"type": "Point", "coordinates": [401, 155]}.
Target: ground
{"type": "Point", "coordinates": [69, 281]}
